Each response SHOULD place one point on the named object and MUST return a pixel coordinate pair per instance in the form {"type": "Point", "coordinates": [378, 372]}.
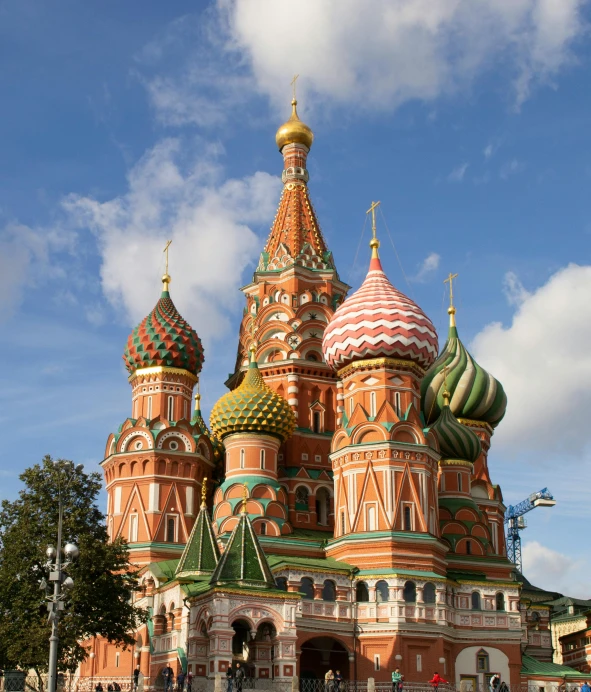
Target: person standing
{"type": "Point", "coordinates": [168, 675]}
{"type": "Point", "coordinates": [396, 680]}
{"type": "Point", "coordinates": [338, 681]}
{"type": "Point", "coordinates": [238, 677]}
{"type": "Point", "coordinates": [329, 681]}
{"type": "Point", "coordinates": [229, 678]}
{"type": "Point", "coordinates": [136, 678]}
{"type": "Point", "coordinates": [585, 687]}
{"type": "Point", "coordinates": [436, 681]}
{"type": "Point", "coordinates": [189, 682]}
{"type": "Point", "coordinates": [180, 681]}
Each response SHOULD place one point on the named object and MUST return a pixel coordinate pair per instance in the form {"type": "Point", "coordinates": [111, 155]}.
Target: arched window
{"type": "Point", "coordinates": [163, 616]}
{"type": "Point", "coordinates": [468, 547]}
{"type": "Point", "coordinates": [361, 592]}
{"type": "Point", "coordinates": [372, 404]}
{"type": "Point", "coordinates": [301, 498]}
{"type": "Point", "coordinates": [460, 482]}
{"type": "Point", "coordinates": [329, 591]}
{"type": "Point", "coordinates": [429, 593]}
{"type": "Point", "coordinates": [500, 601]}
{"type": "Point", "coordinates": [382, 591]}
{"type": "Point", "coordinates": [263, 528]}
{"type": "Point", "coordinates": [307, 588]}
{"type": "Point", "coordinates": [482, 662]}
{"type": "Point", "coordinates": [407, 519]}
{"type": "Point", "coordinates": [475, 600]}
{"type": "Point", "coordinates": [170, 529]}
{"type": "Point", "coordinates": [170, 408]}
{"type": "Point", "coordinates": [262, 458]}
{"type": "Point", "coordinates": [371, 518]}
{"type": "Point", "coordinates": [410, 592]}
{"type": "Point", "coordinates": [149, 408]}
{"type": "Point", "coordinates": [316, 421]}
{"type": "Point", "coordinates": [281, 583]}
{"type": "Point", "coordinates": [241, 458]}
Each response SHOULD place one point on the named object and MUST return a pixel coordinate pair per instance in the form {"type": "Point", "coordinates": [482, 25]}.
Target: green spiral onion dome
{"type": "Point", "coordinates": [253, 407]}
{"type": "Point", "coordinates": [164, 338]}
{"type": "Point", "coordinates": [475, 394]}
{"type": "Point", "coordinates": [456, 441]}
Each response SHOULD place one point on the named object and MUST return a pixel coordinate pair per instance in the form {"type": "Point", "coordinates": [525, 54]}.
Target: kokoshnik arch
{"type": "Point", "coordinates": [351, 520]}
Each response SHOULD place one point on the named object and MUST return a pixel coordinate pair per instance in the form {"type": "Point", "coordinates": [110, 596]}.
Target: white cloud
{"type": "Point", "coordinates": [458, 173]}
{"type": "Point", "coordinates": [514, 290]}
{"type": "Point", "coordinates": [543, 360]}
{"type": "Point", "coordinates": [555, 571]}
{"type": "Point", "coordinates": [429, 265]}
{"type": "Point", "coordinates": [178, 191]}
{"type": "Point", "coordinates": [511, 168]}
{"type": "Point", "coordinates": [383, 52]}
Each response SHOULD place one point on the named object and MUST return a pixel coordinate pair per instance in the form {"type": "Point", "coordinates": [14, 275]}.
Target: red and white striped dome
{"type": "Point", "coordinates": [379, 321]}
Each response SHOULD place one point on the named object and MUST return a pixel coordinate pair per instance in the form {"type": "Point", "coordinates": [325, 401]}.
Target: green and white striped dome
{"type": "Point", "coordinates": [475, 394]}
{"type": "Point", "coordinates": [456, 441]}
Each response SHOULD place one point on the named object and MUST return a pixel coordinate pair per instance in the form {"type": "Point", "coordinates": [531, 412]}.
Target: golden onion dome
{"type": "Point", "coordinates": [294, 131]}
{"type": "Point", "coordinates": [253, 407]}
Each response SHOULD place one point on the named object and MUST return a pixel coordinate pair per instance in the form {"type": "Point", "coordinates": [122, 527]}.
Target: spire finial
{"type": "Point", "coordinates": [166, 278]}
{"type": "Point", "coordinates": [203, 491]}
{"type": "Point", "coordinates": [197, 397]}
{"type": "Point", "coordinates": [445, 392]}
{"type": "Point", "coordinates": [244, 497]}
{"type": "Point", "coordinates": [253, 346]}
{"type": "Point", "coordinates": [451, 311]}
{"type": "Point", "coordinates": [374, 243]}
{"type": "Point", "coordinates": [294, 101]}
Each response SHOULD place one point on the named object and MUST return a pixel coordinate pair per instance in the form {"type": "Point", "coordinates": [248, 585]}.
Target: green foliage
{"type": "Point", "coordinates": [100, 602]}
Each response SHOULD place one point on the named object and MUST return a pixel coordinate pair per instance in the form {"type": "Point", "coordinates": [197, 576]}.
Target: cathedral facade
{"type": "Point", "coordinates": [338, 511]}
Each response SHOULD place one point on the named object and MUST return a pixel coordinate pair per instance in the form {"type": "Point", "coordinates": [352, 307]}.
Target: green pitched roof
{"type": "Point", "coordinates": [531, 666]}
{"type": "Point", "coordinates": [201, 554]}
{"type": "Point", "coordinates": [243, 562]}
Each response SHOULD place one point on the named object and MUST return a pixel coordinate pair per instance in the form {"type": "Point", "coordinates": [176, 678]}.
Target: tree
{"type": "Point", "coordinates": [101, 601]}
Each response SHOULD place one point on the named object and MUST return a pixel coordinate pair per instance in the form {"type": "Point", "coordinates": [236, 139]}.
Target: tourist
{"type": "Point", "coordinates": [116, 687]}
{"type": "Point", "coordinates": [585, 687]}
{"type": "Point", "coordinates": [136, 678]}
{"type": "Point", "coordinates": [329, 681]}
{"type": "Point", "coordinates": [168, 675]}
{"type": "Point", "coordinates": [229, 678]}
{"type": "Point", "coordinates": [98, 688]}
{"type": "Point", "coordinates": [238, 677]}
{"type": "Point", "coordinates": [436, 681]}
{"type": "Point", "coordinates": [495, 683]}
{"type": "Point", "coordinates": [180, 681]}
{"type": "Point", "coordinates": [110, 687]}
{"type": "Point", "coordinates": [396, 680]}
{"type": "Point", "coordinates": [189, 682]}
{"type": "Point", "coordinates": [338, 681]}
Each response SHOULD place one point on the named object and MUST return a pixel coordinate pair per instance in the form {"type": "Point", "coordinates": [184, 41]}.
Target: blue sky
{"type": "Point", "coordinates": [124, 124]}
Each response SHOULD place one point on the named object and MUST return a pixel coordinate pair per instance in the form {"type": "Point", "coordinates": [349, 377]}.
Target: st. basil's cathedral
{"type": "Point", "coordinates": [339, 510]}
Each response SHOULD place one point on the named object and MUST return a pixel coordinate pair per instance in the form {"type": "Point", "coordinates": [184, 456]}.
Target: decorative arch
{"type": "Point", "coordinates": [176, 435]}
{"type": "Point", "coordinates": [124, 443]}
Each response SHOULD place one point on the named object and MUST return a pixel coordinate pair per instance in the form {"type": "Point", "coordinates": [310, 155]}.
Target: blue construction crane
{"type": "Point", "coordinates": [516, 523]}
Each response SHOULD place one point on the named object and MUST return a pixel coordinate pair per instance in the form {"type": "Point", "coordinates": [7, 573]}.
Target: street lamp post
{"type": "Point", "coordinates": [62, 584]}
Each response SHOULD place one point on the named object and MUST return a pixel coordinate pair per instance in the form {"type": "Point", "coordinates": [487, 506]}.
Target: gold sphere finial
{"type": "Point", "coordinates": [445, 398]}
{"type": "Point", "coordinates": [294, 131]}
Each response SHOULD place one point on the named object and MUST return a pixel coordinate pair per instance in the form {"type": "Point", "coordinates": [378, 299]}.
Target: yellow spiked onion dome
{"type": "Point", "coordinates": [294, 131]}
{"type": "Point", "coordinates": [253, 407]}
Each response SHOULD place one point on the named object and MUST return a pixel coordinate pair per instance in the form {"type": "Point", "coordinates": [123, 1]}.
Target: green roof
{"type": "Point", "coordinates": [201, 554]}
{"type": "Point", "coordinates": [164, 570]}
{"type": "Point", "coordinates": [329, 564]}
{"type": "Point", "coordinates": [243, 562]}
{"type": "Point", "coordinates": [531, 666]}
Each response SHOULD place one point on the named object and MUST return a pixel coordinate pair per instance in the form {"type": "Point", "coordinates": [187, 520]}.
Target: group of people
{"type": "Point", "coordinates": [235, 678]}
{"type": "Point", "coordinates": [111, 687]}
{"type": "Point", "coordinates": [333, 682]}
{"type": "Point", "coordinates": [398, 681]}
{"type": "Point", "coordinates": [181, 678]}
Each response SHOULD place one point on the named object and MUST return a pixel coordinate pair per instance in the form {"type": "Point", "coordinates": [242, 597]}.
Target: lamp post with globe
{"type": "Point", "coordinates": [62, 584]}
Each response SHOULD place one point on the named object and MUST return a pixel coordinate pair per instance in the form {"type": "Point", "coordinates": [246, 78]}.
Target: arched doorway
{"type": "Point", "coordinates": [321, 653]}
{"type": "Point", "coordinates": [240, 640]}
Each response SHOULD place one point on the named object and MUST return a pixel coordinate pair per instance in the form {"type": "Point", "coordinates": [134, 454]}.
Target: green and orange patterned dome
{"type": "Point", "coordinates": [164, 338]}
{"type": "Point", "coordinates": [253, 407]}
{"type": "Point", "coordinates": [456, 441]}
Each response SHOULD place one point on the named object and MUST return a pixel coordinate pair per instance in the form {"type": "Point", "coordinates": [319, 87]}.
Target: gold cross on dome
{"type": "Point", "coordinates": [449, 281]}
{"type": "Point", "coordinates": [203, 491]}
{"type": "Point", "coordinates": [166, 253]}
{"type": "Point", "coordinates": [293, 85]}
{"type": "Point", "coordinates": [372, 211]}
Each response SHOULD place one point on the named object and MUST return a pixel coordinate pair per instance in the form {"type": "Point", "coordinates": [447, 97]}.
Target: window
{"type": "Point", "coordinates": [500, 601]}
{"type": "Point", "coordinates": [307, 588]}
{"type": "Point", "coordinates": [407, 519]}
{"type": "Point", "coordinates": [397, 404]}
{"type": "Point", "coordinates": [459, 482]}
{"type": "Point", "coordinates": [262, 458]}
{"type": "Point", "coordinates": [301, 498]}
{"type": "Point", "coordinates": [133, 528]}
{"type": "Point", "coordinates": [361, 592]}
{"type": "Point", "coordinates": [419, 663]}
{"type": "Point", "coordinates": [171, 529]}
{"type": "Point", "coordinates": [329, 591]}
{"type": "Point", "coordinates": [376, 661]}
{"type": "Point", "coordinates": [351, 406]}
{"type": "Point", "coordinates": [372, 404]}
{"type": "Point", "coordinates": [343, 527]}
{"type": "Point", "coordinates": [475, 600]}
{"type": "Point", "coordinates": [281, 583]}
{"type": "Point", "coordinates": [382, 592]}
{"type": "Point", "coordinates": [410, 592]}
{"type": "Point", "coordinates": [316, 421]}
{"type": "Point", "coordinates": [468, 547]}
{"type": "Point", "coordinates": [241, 458]}
{"type": "Point", "coordinates": [429, 593]}
{"type": "Point", "coordinates": [263, 529]}
{"type": "Point", "coordinates": [371, 518]}
{"type": "Point", "coordinates": [149, 407]}
{"type": "Point", "coordinates": [185, 409]}
{"type": "Point", "coordinates": [170, 408]}
{"type": "Point", "coordinates": [482, 661]}
{"type": "Point", "coordinates": [117, 660]}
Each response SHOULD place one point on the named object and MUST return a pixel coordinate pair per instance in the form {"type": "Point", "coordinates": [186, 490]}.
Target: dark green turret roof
{"type": "Point", "coordinates": [456, 441]}
{"type": "Point", "coordinates": [201, 555]}
{"type": "Point", "coordinates": [243, 562]}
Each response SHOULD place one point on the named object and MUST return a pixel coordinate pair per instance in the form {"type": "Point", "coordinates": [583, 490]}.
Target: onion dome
{"type": "Point", "coordinates": [164, 338]}
{"type": "Point", "coordinates": [379, 321]}
{"type": "Point", "coordinates": [475, 394]}
{"type": "Point", "coordinates": [294, 131]}
{"type": "Point", "coordinates": [253, 407]}
{"type": "Point", "coordinates": [456, 441]}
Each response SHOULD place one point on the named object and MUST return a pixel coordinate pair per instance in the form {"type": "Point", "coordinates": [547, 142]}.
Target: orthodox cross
{"type": "Point", "coordinates": [445, 392]}
{"type": "Point", "coordinates": [372, 211]}
{"type": "Point", "coordinates": [203, 491]}
{"type": "Point", "coordinates": [293, 85]}
{"type": "Point", "coordinates": [449, 280]}
{"type": "Point", "coordinates": [166, 253]}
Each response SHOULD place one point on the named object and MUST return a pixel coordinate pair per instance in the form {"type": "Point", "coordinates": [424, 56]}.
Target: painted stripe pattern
{"type": "Point", "coordinates": [456, 441]}
{"type": "Point", "coordinates": [379, 321]}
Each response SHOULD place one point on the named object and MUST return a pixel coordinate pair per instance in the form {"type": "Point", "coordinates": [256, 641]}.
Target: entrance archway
{"type": "Point", "coordinates": [240, 648]}
{"type": "Point", "coordinates": [321, 653]}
